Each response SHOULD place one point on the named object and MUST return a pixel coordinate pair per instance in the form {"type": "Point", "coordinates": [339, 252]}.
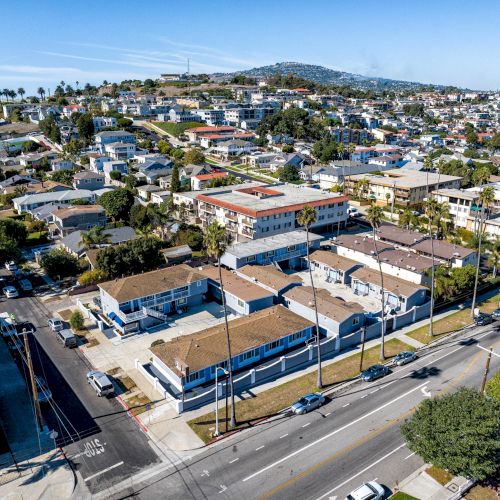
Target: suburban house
{"type": "Point", "coordinates": [29, 202]}
{"type": "Point", "coordinates": [145, 192]}
{"type": "Point", "coordinates": [115, 166]}
{"type": "Point", "coordinates": [177, 254]}
{"type": "Point", "coordinates": [76, 217]}
{"type": "Point", "coordinates": [400, 295]}
{"type": "Point", "coordinates": [97, 161]}
{"type": "Point", "coordinates": [336, 316]}
{"type": "Point", "coordinates": [285, 250]}
{"type": "Point", "coordinates": [139, 302]}
{"type": "Point", "coordinates": [407, 187]}
{"type": "Point", "coordinates": [269, 278]}
{"type": "Point", "coordinates": [101, 122]}
{"type": "Point", "coordinates": [151, 170]}
{"type": "Point", "coordinates": [88, 180]}
{"type": "Point", "coordinates": [61, 164]}
{"type": "Point", "coordinates": [191, 360]}
{"type": "Point", "coordinates": [336, 268]}
{"type": "Point", "coordinates": [119, 150]}
{"type": "Point", "coordinates": [112, 136]}
{"type": "Point", "coordinates": [198, 182]}
{"type": "Point", "coordinates": [230, 148]}
{"type": "Point", "coordinates": [242, 296]}
{"type": "Point", "coordinates": [253, 212]}
{"type": "Point", "coordinates": [463, 204]}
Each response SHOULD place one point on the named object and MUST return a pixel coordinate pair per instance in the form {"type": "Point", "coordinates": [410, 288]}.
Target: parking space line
{"type": "Point", "coordinates": [103, 471]}
{"type": "Point", "coordinates": [346, 405]}
{"type": "Point", "coordinates": [259, 448]}
{"type": "Point", "coordinates": [329, 413]}
{"type": "Point", "coordinates": [234, 460]}
{"type": "Point", "coordinates": [364, 396]}
{"type": "Point", "coordinates": [410, 455]}
{"type": "Point", "coordinates": [284, 436]}
{"type": "Point", "coordinates": [305, 425]}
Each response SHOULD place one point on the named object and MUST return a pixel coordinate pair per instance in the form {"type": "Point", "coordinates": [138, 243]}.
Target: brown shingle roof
{"type": "Point", "coordinates": [208, 347]}
{"type": "Point", "coordinates": [360, 243]}
{"type": "Point", "coordinates": [233, 284]}
{"type": "Point", "coordinates": [270, 276]}
{"type": "Point", "coordinates": [395, 234]}
{"type": "Point", "coordinates": [333, 260]}
{"type": "Point", "coordinates": [406, 259]}
{"type": "Point", "coordinates": [443, 249]}
{"type": "Point", "coordinates": [391, 283]}
{"type": "Point", "coordinates": [62, 213]}
{"type": "Point", "coordinates": [153, 282]}
{"type": "Point", "coordinates": [332, 307]}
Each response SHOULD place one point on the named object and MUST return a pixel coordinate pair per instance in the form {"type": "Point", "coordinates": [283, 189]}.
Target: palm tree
{"type": "Point", "coordinates": [375, 216]}
{"type": "Point", "coordinates": [41, 92]}
{"type": "Point", "coordinates": [215, 241]}
{"type": "Point", "coordinates": [160, 216]}
{"type": "Point", "coordinates": [494, 259]}
{"type": "Point", "coordinates": [408, 219]}
{"type": "Point", "coordinates": [5, 92]}
{"type": "Point", "coordinates": [305, 218]}
{"type": "Point", "coordinates": [77, 83]}
{"type": "Point", "coordinates": [431, 210]}
{"type": "Point", "coordinates": [21, 92]}
{"type": "Point", "coordinates": [95, 236]}
{"type": "Point", "coordinates": [363, 185]}
{"type": "Point", "coordinates": [487, 197]}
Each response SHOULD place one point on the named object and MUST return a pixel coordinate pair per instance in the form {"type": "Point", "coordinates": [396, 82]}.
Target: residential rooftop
{"type": "Point", "coordinates": [269, 276]}
{"type": "Point", "coordinates": [360, 243]}
{"type": "Point", "coordinates": [208, 347]}
{"type": "Point", "coordinates": [151, 283]}
{"type": "Point", "coordinates": [63, 213]}
{"type": "Point", "coordinates": [443, 249]}
{"type": "Point", "coordinates": [397, 235]}
{"type": "Point", "coordinates": [332, 260]}
{"type": "Point", "coordinates": [395, 285]}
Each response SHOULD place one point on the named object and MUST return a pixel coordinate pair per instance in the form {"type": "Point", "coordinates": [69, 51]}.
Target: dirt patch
{"type": "Point", "coordinates": [137, 403]}
{"type": "Point", "coordinates": [18, 128]}
{"type": "Point", "coordinates": [65, 314]}
{"type": "Point", "coordinates": [114, 371]}
{"type": "Point", "coordinates": [440, 475]}
{"type": "Point", "coordinates": [487, 490]}
{"type": "Point", "coordinates": [126, 383]}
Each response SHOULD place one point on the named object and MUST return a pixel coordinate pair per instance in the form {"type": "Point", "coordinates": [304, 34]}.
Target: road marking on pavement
{"type": "Point", "coordinates": [284, 436]}
{"type": "Point", "coordinates": [425, 392]}
{"type": "Point", "coordinates": [305, 425]}
{"type": "Point", "coordinates": [205, 473]}
{"type": "Point", "coordinates": [233, 460]}
{"type": "Point", "coordinates": [330, 434]}
{"type": "Point", "coordinates": [103, 471]}
{"type": "Point", "coordinates": [487, 350]}
{"type": "Point", "coordinates": [361, 471]}
{"type": "Point", "coordinates": [375, 390]}
{"type": "Point", "coordinates": [364, 396]}
{"type": "Point", "coordinates": [222, 487]}
{"type": "Point", "coordinates": [410, 455]}
{"type": "Point", "coordinates": [329, 413]}
{"type": "Point", "coordinates": [259, 448]}
{"type": "Point", "coordinates": [346, 405]}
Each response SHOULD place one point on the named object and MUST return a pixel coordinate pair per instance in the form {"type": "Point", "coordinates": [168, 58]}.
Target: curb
{"type": "Point", "coordinates": [130, 414]}
{"type": "Point", "coordinates": [70, 465]}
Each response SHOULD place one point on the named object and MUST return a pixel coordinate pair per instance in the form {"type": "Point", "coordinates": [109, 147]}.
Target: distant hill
{"type": "Point", "coordinates": [325, 76]}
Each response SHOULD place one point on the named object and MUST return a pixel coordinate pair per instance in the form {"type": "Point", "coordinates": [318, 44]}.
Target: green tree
{"type": "Point", "coordinates": [457, 432]}
{"type": "Point", "coordinates": [85, 126]}
{"type": "Point", "coordinates": [306, 218]}
{"type": "Point", "coordinates": [9, 250]}
{"type": "Point", "coordinates": [92, 277]}
{"type": "Point", "coordinates": [21, 92]}
{"type": "Point", "coordinates": [94, 237]}
{"type": "Point", "coordinates": [193, 156]}
{"type": "Point", "coordinates": [13, 230]}
{"type": "Point", "coordinates": [164, 147]}
{"type": "Point", "coordinates": [326, 150]}
{"type": "Point", "coordinates": [215, 242]}
{"type": "Point", "coordinates": [494, 142]}
{"type": "Point", "coordinates": [375, 216]}
{"type": "Point", "coordinates": [408, 219]}
{"type": "Point", "coordinates": [115, 175]}
{"type": "Point", "coordinates": [117, 203]}
{"type": "Point", "coordinates": [175, 183]}
{"type": "Point", "coordinates": [494, 258]}
{"type": "Point", "coordinates": [63, 176]}
{"type": "Point", "coordinates": [431, 210]}
{"type": "Point", "coordinates": [289, 173]}
{"type": "Point", "coordinates": [76, 321]}
{"type": "Point", "coordinates": [492, 388]}
{"type": "Point", "coordinates": [59, 264]}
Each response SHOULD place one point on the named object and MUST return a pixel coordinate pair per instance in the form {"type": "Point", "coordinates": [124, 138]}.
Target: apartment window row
{"type": "Point", "coordinates": [273, 345]}
{"type": "Point", "coordinates": [249, 355]}
{"type": "Point", "coordinates": [296, 336]}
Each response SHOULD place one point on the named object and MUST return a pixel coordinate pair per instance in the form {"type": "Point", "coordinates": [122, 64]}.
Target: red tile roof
{"type": "Point", "coordinates": [214, 175]}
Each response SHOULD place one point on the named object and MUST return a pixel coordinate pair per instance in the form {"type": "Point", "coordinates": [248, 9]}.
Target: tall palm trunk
{"type": "Point", "coordinates": [318, 344]}
{"type": "Point", "coordinates": [431, 315]}
{"type": "Point", "coordinates": [382, 299]}
{"type": "Point", "coordinates": [478, 263]}
{"type": "Point", "coordinates": [228, 341]}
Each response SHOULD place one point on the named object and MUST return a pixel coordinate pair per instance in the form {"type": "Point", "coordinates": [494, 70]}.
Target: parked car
{"type": "Point", "coordinates": [496, 313]}
{"type": "Point", "coordinates": [101, 383]}
{"type": "Point", "coordinates": [353, 212]}
{"type": "Point", "coordinates": [44, 393]}
{"type": "Point", "coordinates": [56, 324]}
{"type": "Point", "coordinates": [26, 285]}
{"type": "Point", "coordinates": [308, 403]}
{"type": "Point", "coordinates": [374, 372]}
{"type": "Point", "coordinates": [404, 357]}
{"type": "Point", "coordinates": [483, 319]}
{"type": "Point", "coordinates": [368, 491]}
{"type": "Point", "coordinates": [10, 292]}
{"type": "Point", "coordinates": [11, 266]}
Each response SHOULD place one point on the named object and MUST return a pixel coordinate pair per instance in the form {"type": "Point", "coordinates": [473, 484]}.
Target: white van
{"type": "Point", "coordinates": [101, 383]}
{"type": "Point", "coordinates": [66, 337]}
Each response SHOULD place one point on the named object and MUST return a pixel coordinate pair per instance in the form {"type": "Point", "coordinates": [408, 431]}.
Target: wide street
{"type": "Point", "coordinates": [325, 454]}
{"type": "Point", "coordinates": [103, 442]}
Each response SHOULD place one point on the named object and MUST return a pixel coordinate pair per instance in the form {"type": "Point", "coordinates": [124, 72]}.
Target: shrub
{"type": "Point", "coordinates": [76, 320]}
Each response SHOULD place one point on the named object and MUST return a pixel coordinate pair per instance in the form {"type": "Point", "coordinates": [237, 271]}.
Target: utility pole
{"type": "Point", "coordinates": [33, 381]}
{"type": "Point", "coordinates": [486, 370]}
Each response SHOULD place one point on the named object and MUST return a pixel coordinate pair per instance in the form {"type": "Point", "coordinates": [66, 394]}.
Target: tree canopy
{"type": "Point", "coordinates": [289, 173]}
{"type": "Point", "coordinates": [117, 203]}
{"type": "Point", "coordinates": [60, 264]}
{"type": "Point", "coordinates": [294, 122]}
{"type": "Point", "coordinates": [458, 432]}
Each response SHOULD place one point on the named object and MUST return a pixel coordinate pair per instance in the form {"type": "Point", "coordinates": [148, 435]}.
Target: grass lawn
{"type": "Point", "coordinates": [176, 129]}
{"type": "Point", "coordinates": [440, 475]}
{"type": "Point", "coordinates": [269, 402]}
{"type": "Point", "coordinates": [484, 491]}
{"type": "Point", "coordinates": [453, 322]}
{"type": "Point", "coordinates": [137, 403]}
{"type": "Point", "coordinates": [402, 496]}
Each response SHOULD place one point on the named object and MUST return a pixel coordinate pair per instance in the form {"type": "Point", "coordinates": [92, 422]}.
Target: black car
{"type": "Point", "coordinates": [374, 372]}
{"type": "Point", "coordinates": [483, 319]}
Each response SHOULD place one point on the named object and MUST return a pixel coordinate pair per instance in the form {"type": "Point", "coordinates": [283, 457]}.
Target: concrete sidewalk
{"type": "Point", "coordinates": [47, 477]}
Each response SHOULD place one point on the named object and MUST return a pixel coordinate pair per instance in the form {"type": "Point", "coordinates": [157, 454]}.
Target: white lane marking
{"type": "Point", "coordinates": [425, 392]}
{"type": "Point", "coordinates": [205, 473]}
{"type": "Point", "coordinates": [329, 413]}
{"type": "Point", "coordinates": [346, 405]}
{"type": "Point", "coordinates": [259, 448]}
{"type": "Point", "coordinates": [387, 385]}
{"type": "Point", "coordinates": [375, 390]}
{"type": "Point", "coordinates": [362, 397]}
{"type": "Point", "coordinates": [234, 460]}
{"type": "Point", "coordinates": [284, 436]}
{"type": "Point", "coordinates": [103, 471]}
{"type": "Point", "coordinates": [361, 472]}
{"type": "Point", "coordinates": [329, 435]}
{"type": "Point", "coordinates": [410, 455]}
{"type": "Point", "coordinates": [305, 425]}
{"type": "Point", "coordinates": [222, 487]}
{"type": "Point", "coordinates": [487, 350]}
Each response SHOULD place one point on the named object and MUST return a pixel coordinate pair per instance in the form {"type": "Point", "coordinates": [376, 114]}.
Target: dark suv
{"type": "Point", "coordinates": [374, 372]}
{"type": "Point", "coordinates": [483, 319]}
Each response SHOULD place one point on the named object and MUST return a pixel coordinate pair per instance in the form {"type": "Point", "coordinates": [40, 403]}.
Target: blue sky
{"type": "Point", "coordinates": [432, 41]}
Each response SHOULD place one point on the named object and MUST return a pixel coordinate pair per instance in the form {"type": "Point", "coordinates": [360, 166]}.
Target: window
{"type": "Point", "coordinates": [355, 321]}
{"type": "Point", "coordinates": [222, 364]}
{"type": "Point", "coordinates": [295, 336]}
{"type": "Point", "coordinates": [251, 258]}
{"type": "Point", "coordinates": [266, 217]}
{"type": "Point", "coordinates": [241, 303]}
{"type": "Point", "coordinates": [273, 345]}
{"type": "Point", "coordinates": [248, 355]}
{"type": "Point", "coordinates": [198, 283]}
{"type": "Point", "coordinates": [277, 216]}
{"type": "Point", "coordinates": [270, 254]}
{"type": "Point", "coordinates": [194, 376]}
{"type": "Point", "coordinates": [321, 217]}
{"type": "Point", "coordinates": [291, 248]}
{"type": "Point", "coordinates": [278, 226]}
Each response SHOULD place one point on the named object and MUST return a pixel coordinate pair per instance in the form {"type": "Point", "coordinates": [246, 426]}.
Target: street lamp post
{"type": "Point", "coordinates": [217, 368]}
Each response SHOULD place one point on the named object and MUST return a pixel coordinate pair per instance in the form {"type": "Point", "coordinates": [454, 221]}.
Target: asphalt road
{"type": "Point", "coordinates": [326, 454]}
{"type": "Point", "coordinates": [104, 443]}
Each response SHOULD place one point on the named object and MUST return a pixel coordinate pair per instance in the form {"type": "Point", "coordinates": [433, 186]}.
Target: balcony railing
{"type": "Point", "coordinates": [248, 222]}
